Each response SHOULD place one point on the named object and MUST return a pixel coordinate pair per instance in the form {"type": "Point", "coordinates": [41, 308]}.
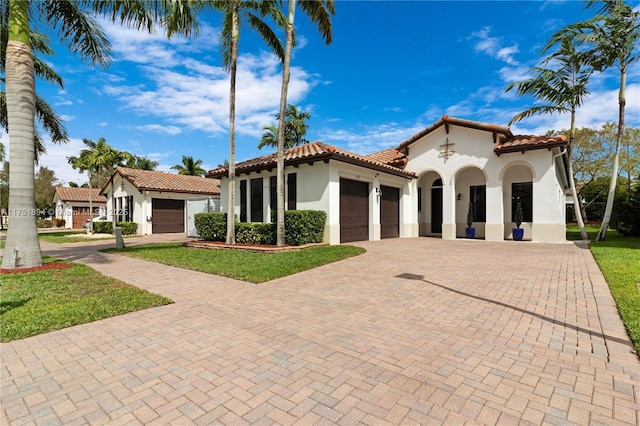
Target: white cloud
{"type": "Point", "coordinates": [492, 46]}
{"type": "Point", "coordinates": [56, 159]}
{"type": "Point", "coordinates": [158, 128]}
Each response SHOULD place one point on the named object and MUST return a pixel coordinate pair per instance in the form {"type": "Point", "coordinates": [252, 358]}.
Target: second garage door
{"type": "Point", "coordinates": [168, 215]}
{"type": "Point", "coordinates": [389, 212]}
{"type": "Point", "coordinates": [354, 211]}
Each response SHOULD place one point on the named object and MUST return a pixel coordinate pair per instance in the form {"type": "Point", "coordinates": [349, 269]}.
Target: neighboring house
{"type": "Point", "coordinates": [157, 201]}
{"type": "Point", "coordinates": [422, 187]}
{"type": "Point", "coordinates": [72, 205]}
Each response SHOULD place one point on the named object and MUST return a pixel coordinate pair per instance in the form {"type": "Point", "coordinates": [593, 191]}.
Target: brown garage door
{"type": "Point", "coordinates": [168, 215]}
{"type": "Point", "coordinates": [79, 214]}
{"type": "Point", "coordinates": [354, 211]}
{"type": "Point", "coordinates": [389, 212]}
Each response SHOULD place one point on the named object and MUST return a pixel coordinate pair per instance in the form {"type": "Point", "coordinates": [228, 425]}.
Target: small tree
{"type": "Point", "coordinates": [519, 215]}
{"type": "Point", "coordinates": [470, 216]}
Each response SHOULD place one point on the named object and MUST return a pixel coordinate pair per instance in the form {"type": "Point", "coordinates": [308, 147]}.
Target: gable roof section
{"type": "Point", "coordinates": [79, 195]}
{"type": "Point", "coordinates": [501, 132]}
{"type": "Point", "coordinates": [168, 182]}
{"type": "Point", "coordinates": [309, 153]}
{"type": "Point", "coordinates": [391, 157]}
{"type": "Point", "coordinates": [521, 143]}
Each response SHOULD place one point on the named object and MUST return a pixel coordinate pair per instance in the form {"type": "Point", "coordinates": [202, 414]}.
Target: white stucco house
{"type": "Point", "coordinates": [72, 205]}
{"type": "Point", "coordinates": [156, 201]}
{"type": "Point", "coordinates": [422, 187]}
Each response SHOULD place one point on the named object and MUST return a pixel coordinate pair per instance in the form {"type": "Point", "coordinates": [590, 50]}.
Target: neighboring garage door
{"type": "Point", "coordinates": [168, 215]}
{"type": "Point", "coordinates": [80, 214]}
{"type": "Point", "coordinates": [354, 211]}
{"type": "Point", "coordinates": [389, 212]}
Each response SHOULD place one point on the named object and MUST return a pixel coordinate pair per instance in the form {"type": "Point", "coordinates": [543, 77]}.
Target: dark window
{"type": "Point", "coordinates": [523, 192]}
{"type": "Point", "coordinates": [243, 201]}
{"type": "Point", "coordinates": [291, 191]}
{"type": "Point", "coordinates": [478, 200]}
{"type": "Point", "coordinates": [273, 193]}
{"type": "Point", "coordinates": [419, 199]}
{"type": "Point", "coordinates": [129, 208]}
{"type": "Point", "coordinates": [257, 200]}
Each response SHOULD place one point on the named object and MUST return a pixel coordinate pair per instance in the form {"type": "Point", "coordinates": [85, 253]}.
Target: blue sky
{"type": "Point", "coordinates": [394, 68]}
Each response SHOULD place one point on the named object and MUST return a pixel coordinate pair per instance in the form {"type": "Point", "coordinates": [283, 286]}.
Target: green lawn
{"type": "Point", "coordinates": [241, 265]}
{"type": "Point", "coordinates": [38, 302]}
{"type": "Point", "coordinates": [619, 261]}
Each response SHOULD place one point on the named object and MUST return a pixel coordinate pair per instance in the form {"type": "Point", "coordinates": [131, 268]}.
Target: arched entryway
{"type": "Point", "coordinates": [517, 186]}
{"type": "Point", "coordinates": [430, 204]}
{"type": "Point", "coordinates": [471, 196]}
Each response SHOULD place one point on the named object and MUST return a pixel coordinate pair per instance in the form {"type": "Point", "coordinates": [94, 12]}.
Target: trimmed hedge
{"type": "Point", "coordinates": [128, 228]}
{"type": "Point", "coordinates": [212, 226]}
{"type": "Point", "coordinates": [59, 222]}
{"type": "Point", "coordinates": [301, 227]}
{"type": "Point", "coordinates": [44, 223]}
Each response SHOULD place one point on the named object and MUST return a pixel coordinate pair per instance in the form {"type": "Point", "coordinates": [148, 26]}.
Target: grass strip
{"type": "Point", "coordinates": [38, 302]}
{"type": "Point", "coordinates": [239, 264]}
{"type": "Point", "coordinates": [619, 260]}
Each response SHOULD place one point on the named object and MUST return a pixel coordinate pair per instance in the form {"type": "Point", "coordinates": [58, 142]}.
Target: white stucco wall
{"type": "Point", "coordinates": [142, 206]}
{"type": "Point", "coordinates": [473, 161]}
{"type": "Point", "coordinates": [64, 210]}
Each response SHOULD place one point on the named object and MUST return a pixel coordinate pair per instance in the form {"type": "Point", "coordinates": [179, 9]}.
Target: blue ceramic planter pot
{"type": "Point", "coordinates": [470, 232]}
{"type": "Point", "coordinates": [518, 233]}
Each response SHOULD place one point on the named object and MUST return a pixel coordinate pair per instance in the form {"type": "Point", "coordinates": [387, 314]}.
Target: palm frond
{"type": "Point", "coordinates": [51, 121]}
{"type": "Point", "coordinates": [538, 110]}
{"type": "Point", "coordinates": [320, 12]}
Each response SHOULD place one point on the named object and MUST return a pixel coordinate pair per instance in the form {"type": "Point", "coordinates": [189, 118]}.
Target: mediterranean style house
{"type": "Point", "coordinates": [157, 201]}
{"type": "Point", "coordinates": [425, 186]}
{"type": "Point", "coordinates": [72, 205]}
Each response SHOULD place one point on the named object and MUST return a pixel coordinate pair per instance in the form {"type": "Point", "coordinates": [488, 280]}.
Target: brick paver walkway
{"type": "Point", "coordinates": [414, 331]}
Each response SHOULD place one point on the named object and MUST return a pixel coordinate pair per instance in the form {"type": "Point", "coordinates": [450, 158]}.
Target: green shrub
{"type": "Point", "coordinates": [256, 233]}
{"type": "Point", "coordinates": [102, 227]}
{"type": "Point", "coordinates": [59, 222]}
{"type": "Point", "coordinates": [44, 223]}
{"type": "Point", "coordinates": [128, 228]}
{"type": "Point", "coordinates": [303, 226]}
{"type": "Point", "coordinates": [211, 226]}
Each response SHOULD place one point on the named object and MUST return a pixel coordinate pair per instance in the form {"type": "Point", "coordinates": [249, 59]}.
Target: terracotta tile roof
{"type": "Point", "coordinates": [169, 182]}
{"type": "Point", "coordinates": [503, 131]}
{"type": "Point", "coordinates": [391, 157]}
{"type": "Point", "coordinates": [521, 143]}
{"type": "Point", "coordinates": [307, 153]}
{"type": "Point", "coordinates": [79, 195]}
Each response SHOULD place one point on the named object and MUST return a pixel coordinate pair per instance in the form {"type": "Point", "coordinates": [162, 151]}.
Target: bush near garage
{"type": "Point", "coordinates": [128, 228]}
{"type": "Point", "coordinates": [211, 226]}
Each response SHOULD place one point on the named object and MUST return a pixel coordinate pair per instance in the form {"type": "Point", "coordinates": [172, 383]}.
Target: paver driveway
{"type": "Point", "coordinates": [414, 331]}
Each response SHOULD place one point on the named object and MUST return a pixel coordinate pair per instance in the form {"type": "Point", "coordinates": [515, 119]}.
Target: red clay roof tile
{"type": "Point", "coordinates": [169, 182]}
{"type": "Point", "coordinates": [79, 195]}
{"type": "Point", "coordinates": [521, 143]}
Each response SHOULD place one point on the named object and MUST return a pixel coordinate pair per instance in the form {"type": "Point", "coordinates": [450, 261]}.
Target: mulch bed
{"type": "Point", "coordinates": [45, 267]}
{"type": "Point", "coordinates": [219, 245]}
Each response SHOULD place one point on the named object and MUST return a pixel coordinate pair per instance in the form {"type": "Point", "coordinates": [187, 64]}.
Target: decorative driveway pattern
{"type": "Point", "coordinates": [416, 331]}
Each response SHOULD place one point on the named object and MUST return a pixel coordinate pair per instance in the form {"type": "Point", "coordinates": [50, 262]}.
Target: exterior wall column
{"type": "Point", "coordinates": [332, 228]}
{"type": "Point", "coordinates": [494, 226]}
{"type": "Point", "coordinates": [448, 211]}
{"type": "Point", "coordinates": [374, 210]}
{"type": "Point", "coordinates": [409, 227]}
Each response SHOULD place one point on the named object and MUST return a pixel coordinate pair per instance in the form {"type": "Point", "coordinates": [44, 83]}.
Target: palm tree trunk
{"type": "Point", "coordinates": [577, 208]}
{"type": "Point", "coordinates": [616, 159]}
{"type": "Point", "coordinates": [22, 249]}
{"type": "Point", "coordinates": [286, 72]}
{"type": "Point", "coordinates": [235, 34]}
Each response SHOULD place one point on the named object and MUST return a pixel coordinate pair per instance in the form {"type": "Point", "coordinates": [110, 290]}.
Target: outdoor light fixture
{"type": "Point", "coordinates": [459, 196]}
{"type": "Point", "coordinates": [378, 192]}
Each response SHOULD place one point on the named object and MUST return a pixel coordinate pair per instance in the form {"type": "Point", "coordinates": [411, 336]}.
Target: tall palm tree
{"type": "Point", "coordinates": [235, 12]}
{"type": "Point", "coordinates": [50, 121]}
{"type": "Point", "coordinates": [296, 129]}
{"type": "Point", "coordinates": [79, 31]}
{"type": "Point", "coordinates": [319, 11]}
{"type": "Point", "coordinates": [99, 157]}
{"type": "Point", "coordinates": [613, 38]}
{"type": "Point", "coordinates": [563, 88]}
{"type": "Point", "coordinates": [189, 167]}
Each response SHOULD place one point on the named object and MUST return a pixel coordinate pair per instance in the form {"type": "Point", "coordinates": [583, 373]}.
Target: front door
{"type": "Point", "coordinates": [436, 210]}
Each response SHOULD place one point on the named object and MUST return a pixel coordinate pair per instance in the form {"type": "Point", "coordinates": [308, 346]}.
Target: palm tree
{"type": "Point", "coordinates": [48, 118]}
{"type": "Point", "coordinates": [319, 11]}
{"type": "Point", "coordinates": [82, 35]}
{"type": "Point", "coordinates": [99, 157]}
{"type": "Point", "coordinates": [254, 12]}
{"type": "Point", "coordinates": [613, 38]}
{"type": "Point", "coordinates": [563, 89]}
{"type": "Point", "coordinates": [296, 129]}
{"type": "Point", "coordinates": [189, 167]}
{"type": "Point", "coordinates": [142, 163]}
